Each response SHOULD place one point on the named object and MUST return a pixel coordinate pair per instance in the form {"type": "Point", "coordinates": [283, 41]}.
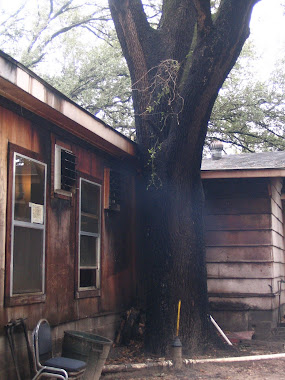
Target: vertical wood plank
{"type": "Point", "coordinates": [106, 188]}
{"type": "Point", "coordinates": [3, 196]}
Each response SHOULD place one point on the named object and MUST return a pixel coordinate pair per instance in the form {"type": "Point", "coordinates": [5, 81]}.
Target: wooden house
{"type": "Point", "coordinates": [245, 230]}
{"type": "Point", "coordinates": [67, 212]}
{"type": "Point", "coordinates": [68, 221]}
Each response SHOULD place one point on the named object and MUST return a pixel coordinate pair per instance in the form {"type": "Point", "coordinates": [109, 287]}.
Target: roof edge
{"type": "Point", "coordinates": [24, 87]}
{"type": "Point", "coordinates": [242, 173]}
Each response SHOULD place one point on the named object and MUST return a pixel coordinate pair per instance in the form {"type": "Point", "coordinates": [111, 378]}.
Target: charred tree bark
{"type": "Point", "coordinates": [176, 261]}
{"type": "Point", "coordinates": [177, 71]}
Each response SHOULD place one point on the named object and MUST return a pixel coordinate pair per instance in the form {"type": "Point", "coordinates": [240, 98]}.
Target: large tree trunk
{"type": "Point", "coordinates": [176, 263]}
{"type": "Point", "coordinates": [177, 71]}
{"type": "Point", "coordinates": [174, 254]}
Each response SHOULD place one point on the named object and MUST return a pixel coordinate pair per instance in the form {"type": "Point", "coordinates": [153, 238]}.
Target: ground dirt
{"type": "Point", "coordinates": [271, 369]}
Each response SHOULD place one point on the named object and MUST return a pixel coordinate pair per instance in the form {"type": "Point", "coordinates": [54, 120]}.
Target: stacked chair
{"type": "Point", "coordinates": [48, 365]}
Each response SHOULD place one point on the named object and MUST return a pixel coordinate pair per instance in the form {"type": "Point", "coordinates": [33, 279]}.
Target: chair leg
{"type": "Point", "coordinates": [10, 336]}
{"type": "Point", "coordinates": [51, 372]}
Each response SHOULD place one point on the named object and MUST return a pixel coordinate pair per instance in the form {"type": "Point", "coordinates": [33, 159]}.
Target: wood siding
{"type": "Point", "coordinates": [244, 244]}
{"type": "Point", "coordinates": [277, 223]}
{"type": "Point", "coordinates": [118, 244]}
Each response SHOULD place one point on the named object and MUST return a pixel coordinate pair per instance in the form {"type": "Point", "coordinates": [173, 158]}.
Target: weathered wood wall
{"type": "Point", "coordinates": [278, 237]}
{"type": "Point", "coordinates": [245, 249]}
{"type": "Point", "coordinates": [118, 243]}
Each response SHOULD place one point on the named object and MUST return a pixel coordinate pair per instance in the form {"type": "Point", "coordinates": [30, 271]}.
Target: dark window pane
{"type": "Point", "coordinates": [88, 251]}
{"type": "Point", "coordinates": [27, 260]}
{"type": "Point", "coordinates": [90, 198]}
{"type": "Point", "coordinates": [68, 173]}
{"type": "Point", "coordinates": [89, 223]}
{"type": "Point", "coordinates": [87, 278]}
{"type": "Point", "coordinates": [29, 187]}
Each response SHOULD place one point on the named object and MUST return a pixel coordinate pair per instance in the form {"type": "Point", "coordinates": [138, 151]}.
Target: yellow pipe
{"type": "Point", "coordinates": [178, 317]}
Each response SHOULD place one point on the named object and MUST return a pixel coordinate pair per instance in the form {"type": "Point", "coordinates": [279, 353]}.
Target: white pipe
{"type": "Point", "coordinates": [235, 359]}
{"type": "Point", "coordinates": [169, 363]}
{"type": "Point", "coordinates": [220, 331]}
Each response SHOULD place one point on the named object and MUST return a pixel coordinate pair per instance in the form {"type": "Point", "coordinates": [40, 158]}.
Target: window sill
{"type": "Point", "coordinates": [88, 293]}
{"type": "Point", "coordinates": [62, 194]}
{"type": "Point", "coordinates": [22, 300]}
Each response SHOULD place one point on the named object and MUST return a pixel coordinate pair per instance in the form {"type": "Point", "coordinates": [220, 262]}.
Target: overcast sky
{"type": "Point", "coordinates": [268, 31]}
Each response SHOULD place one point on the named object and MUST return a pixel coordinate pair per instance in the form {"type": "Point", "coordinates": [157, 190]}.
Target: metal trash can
{"type": "Point", "coordinates": [91, 348]}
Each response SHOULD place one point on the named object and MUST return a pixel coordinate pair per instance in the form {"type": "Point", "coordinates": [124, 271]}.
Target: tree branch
{"type": "Point", "coordinates": [204, 17]}
{"type": "Point", "coordinates": [176, 28]}
{"type": "Point", "coordinates": [106, 39]}
{"type": "Point", "coordinates": [134, 32]}
{"type": "Point", "coordinates": [236, 143]}
{"type": "Point", "coordinates": [139, 42]}
{"type": "Point", "coordinates": [263, 125]}
{"type": "Point", "coordinates": [50, 8]}
{"type": "Point", "coordinates": [35, 61]}
{"type": "Point", "coordinates": [213, 57]}
{"type": "Point", "coordinates": [62, 9]}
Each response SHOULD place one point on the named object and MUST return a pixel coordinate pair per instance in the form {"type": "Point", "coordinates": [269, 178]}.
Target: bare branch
{"type": "Point", "coordinates": [62, 9]}
{"type": "Point", "coordinates": [264, 125]}
{"type": "Point", "coordinates": [13, 16]}
{"type": "Point", "coordinates": [98, 34]}
{"type": "Point", "coordinates": [50, 8]}
{"type": "Point", "coordinates": [236, 143]}
{"type": "Point", "coordinates": [36, 61]}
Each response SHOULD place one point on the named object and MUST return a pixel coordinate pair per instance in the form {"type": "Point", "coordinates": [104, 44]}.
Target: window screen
{"type": "Point", "coordinates": [89, 232]}
{"type": "Point", "coordinates": [28, 225]}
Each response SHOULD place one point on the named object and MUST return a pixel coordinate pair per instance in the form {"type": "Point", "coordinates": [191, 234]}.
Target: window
{"type": "Point", "coordinates": [28, 226]}
{"type": "Point", "coordinates": [89, 235]}
{"type": "Point", "coordinates": [64, 171]}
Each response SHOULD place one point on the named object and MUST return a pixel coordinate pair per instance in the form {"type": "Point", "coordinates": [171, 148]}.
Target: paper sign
{"type": "Point", "coordinates": [37, 213]}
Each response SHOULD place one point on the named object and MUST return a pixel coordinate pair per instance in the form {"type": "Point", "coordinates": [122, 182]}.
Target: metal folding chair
{"type": "Point", "coordinates": [19, 325]}
{"type": "Point", "coordinates": [50, 372]}
{"type": "Point", "coordinates": [48, 365]}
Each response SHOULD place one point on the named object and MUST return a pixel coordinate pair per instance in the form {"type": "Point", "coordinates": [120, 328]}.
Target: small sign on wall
{"type": "Point", "coordinates": [37, 213]}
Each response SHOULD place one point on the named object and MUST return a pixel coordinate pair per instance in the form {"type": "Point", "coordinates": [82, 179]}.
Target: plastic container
{"type": "Point", "coordinates": [91, 348]}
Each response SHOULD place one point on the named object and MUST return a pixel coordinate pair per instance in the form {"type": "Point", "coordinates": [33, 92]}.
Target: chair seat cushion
{"type": "Point", "coordinates": [70, 365]}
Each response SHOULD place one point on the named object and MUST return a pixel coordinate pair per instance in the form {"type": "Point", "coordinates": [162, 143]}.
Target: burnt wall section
{"type": "Point", "coordinates": [245, 249]}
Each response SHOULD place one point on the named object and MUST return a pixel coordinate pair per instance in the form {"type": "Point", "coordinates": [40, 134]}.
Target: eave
{"type": "Point", "coordinates": [24, 88]}
{"type": "Point", "coordinates": [249, 173]}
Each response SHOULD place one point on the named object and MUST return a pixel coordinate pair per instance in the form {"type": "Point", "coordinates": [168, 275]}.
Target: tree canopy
{"type": "Point", "coordinates": [105, 89]}
{"type": "Point", "coordinates": [248, 114]}
{"type": "Point", "coordinates": [36, 28]}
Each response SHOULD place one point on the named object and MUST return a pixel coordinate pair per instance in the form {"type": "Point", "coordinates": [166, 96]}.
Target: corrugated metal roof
{"type": "Point", "coordinates": [248, 161]}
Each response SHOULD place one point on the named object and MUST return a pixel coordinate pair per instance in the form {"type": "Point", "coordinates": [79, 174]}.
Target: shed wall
{"type": "Point", "coordinates": [278, 238]}
{"type": "Point", "coordinates": [245, 249]}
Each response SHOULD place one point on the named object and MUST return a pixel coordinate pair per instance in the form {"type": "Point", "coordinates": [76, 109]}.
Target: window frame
{"type": "Point", "coordinates": [57, 182]}
{"type": "Point", "coordinates": [32, 297]}
{"type": "Point", "coordinates": [94, 291]}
